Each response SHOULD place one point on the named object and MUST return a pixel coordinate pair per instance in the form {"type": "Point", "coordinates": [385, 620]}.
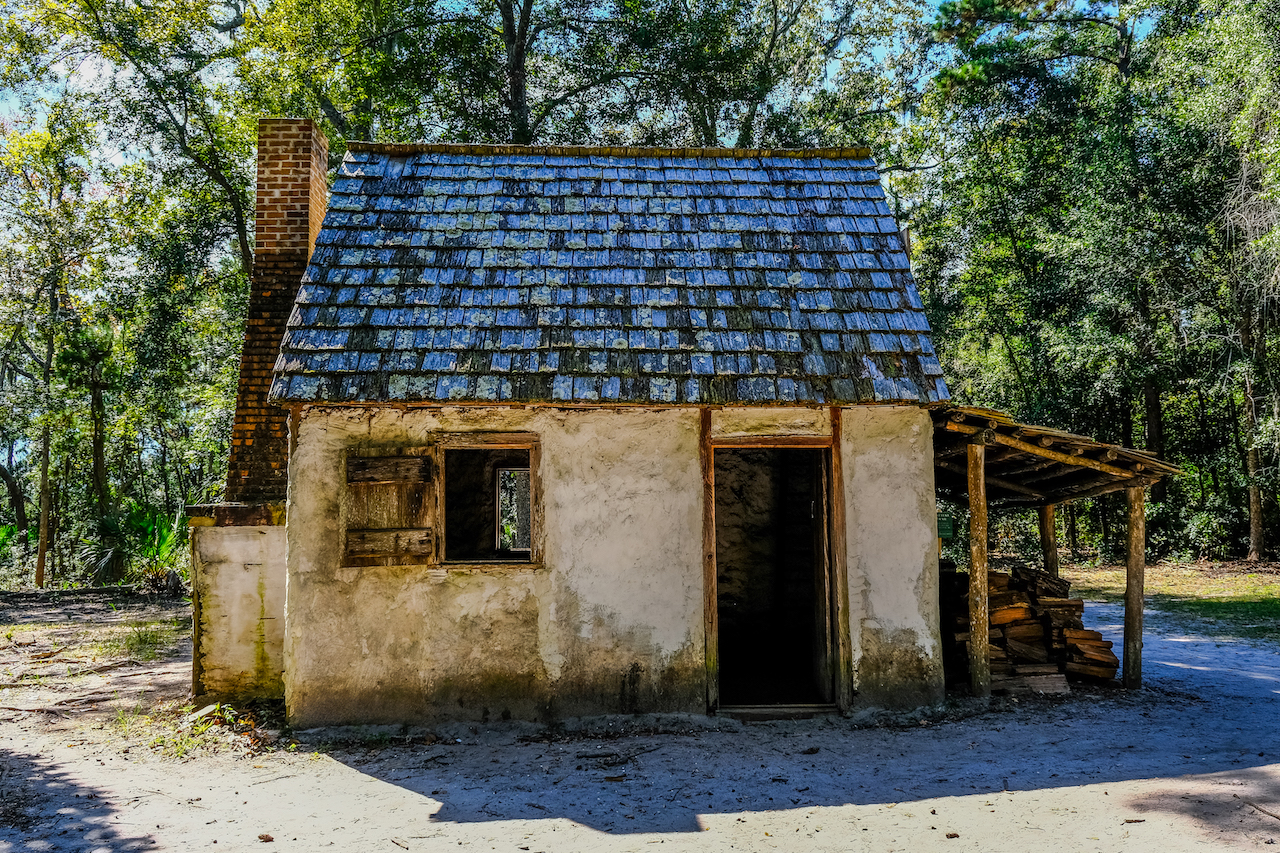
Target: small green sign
{"type": "Point", "coordinates": [946, 527]}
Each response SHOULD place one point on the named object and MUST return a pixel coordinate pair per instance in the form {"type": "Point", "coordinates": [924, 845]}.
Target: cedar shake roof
{"type": "Point", "coordinates": [449, 273]}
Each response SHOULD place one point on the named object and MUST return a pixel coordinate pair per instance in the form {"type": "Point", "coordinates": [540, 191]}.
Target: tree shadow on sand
{"type": "Point", "coordinates": [42, 808]}
{"type": "Point", "coordinates": [665, 783]}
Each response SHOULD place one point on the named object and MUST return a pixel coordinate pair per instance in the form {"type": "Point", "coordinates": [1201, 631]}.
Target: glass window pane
{"type": "Point", "coordinates": [514, 515]}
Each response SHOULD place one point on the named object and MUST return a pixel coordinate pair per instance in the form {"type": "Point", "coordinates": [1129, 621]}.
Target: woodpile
{"type": "Point", "coordinates": [1037, 639]}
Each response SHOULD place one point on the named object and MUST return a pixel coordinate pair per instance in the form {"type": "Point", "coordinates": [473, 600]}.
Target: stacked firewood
{"type": "Point", "coordinates": [1089, 656]}
{"type": "Point", "coordinates": [1036, 636]}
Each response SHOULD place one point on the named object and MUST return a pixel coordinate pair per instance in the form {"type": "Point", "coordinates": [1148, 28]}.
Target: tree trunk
{"type": "Point", "coordinates": [1252, 468]}
{"type": "Point", "coordinates": [1154, 415]}
{"type": "Point", "coordinates": [1073, 536]}
{"type": "Point", "coordinates": [1104, 522]}
{"type": "Point", "coordinates": [164, 472]}
{"type": "Point", "coordinates": [26, 527]}
{"type": "Point", "coordinates": [1252, 455]}
{"type": "Point", "coordinates": [1049, 539]}
{"type": "Point", "coordinates": [142, 474]}
{"type": "Point", "coordinates": [514, 35]}
{"type": "Point", "coordinates": [42, 550]}
{"type": "Point", "coordinates": [97, 413]}
{"type": "Point", "coordinates": [17, 500]}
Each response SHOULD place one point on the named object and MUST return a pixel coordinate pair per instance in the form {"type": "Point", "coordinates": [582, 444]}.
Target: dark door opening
{"type": "Point", "coordinates": [772, 580]}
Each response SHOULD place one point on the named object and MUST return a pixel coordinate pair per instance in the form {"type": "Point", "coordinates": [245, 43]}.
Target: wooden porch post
{"type": "Point", "coordinates": [1135, 579]}
{"type": "Point", "coordinates": [1049, 539]}
{"type": "Point", "coordinates": [979, 626]}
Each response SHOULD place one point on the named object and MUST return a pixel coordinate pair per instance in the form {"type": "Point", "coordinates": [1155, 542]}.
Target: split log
{"type": "Point", "coordinates": [1006, 599]}
{"type": "Point", "coordinates": [1036, 669]}
{"type": "Point", "coordinates": [1031, 632]}
{"type": "Point", "coordinates": [1012, 613]}
{"type": "Point", "coordinates": [1075, 604]}
{"type": "Point", "coordinates": [1027, 651]}
{"type": "Point", "coordinates": [1095, 657]}
{"type": "Point", "coordinates": [1105, 673]}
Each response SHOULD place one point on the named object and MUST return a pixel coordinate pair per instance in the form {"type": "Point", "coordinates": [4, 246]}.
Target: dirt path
{"type": "Point", "coordinates": [1175, 767]}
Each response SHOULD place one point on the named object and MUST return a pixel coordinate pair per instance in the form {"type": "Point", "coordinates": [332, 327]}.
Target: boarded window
{"type": "Point", "coordinates": [488, 504]}
{"type": "Point", "coordinates": [390, 506]}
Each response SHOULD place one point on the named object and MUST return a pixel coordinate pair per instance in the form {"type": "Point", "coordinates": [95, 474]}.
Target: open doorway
{"type": "Point", "coordinates": [773, 593]}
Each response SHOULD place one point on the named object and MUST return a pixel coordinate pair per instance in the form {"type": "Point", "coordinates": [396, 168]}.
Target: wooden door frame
{"type": "Point", "coordinates": [841, 650]}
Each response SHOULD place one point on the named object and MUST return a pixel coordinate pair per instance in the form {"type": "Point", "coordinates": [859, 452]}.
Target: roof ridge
{"type": "Point", "coordinates": [410, 148]}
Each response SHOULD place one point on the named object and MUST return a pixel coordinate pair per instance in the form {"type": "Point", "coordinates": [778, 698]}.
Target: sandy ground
{"type": "Point", "coordinates": [1189, 763]}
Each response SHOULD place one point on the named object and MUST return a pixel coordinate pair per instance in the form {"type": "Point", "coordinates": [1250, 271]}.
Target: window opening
{"type": "Point", "coordinates": [487, 505]}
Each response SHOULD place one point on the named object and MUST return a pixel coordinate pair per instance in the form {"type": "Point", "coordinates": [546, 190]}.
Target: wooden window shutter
{"type": "Point", "coordinates": [391, 509]}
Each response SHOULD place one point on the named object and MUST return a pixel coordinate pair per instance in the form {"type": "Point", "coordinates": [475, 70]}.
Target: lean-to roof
{"type": "Point", "coordinates": [605, 275]}
{"type": "Point", "coordinates": [1028, 465]}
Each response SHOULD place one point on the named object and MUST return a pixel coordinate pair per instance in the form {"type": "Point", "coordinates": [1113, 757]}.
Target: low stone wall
{"type": "Point", "coordinates": [238, 594]}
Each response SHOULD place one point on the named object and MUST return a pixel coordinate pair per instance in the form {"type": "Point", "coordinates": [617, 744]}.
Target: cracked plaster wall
{"type": "Point", "coordinates": [891, 513]}
{"type": "Point", "coordinates": [612, 623]}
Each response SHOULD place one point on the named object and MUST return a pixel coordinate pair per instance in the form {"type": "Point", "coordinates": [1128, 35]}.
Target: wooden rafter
{"type": "Point", "coordinates": [1035, 466]}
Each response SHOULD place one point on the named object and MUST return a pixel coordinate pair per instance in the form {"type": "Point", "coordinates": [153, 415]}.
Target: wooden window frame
{"type": "Point", "coordinates": [492, 441]}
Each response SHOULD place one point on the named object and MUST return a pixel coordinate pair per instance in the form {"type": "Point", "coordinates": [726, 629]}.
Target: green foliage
{"type": "Point", "coordinates": [1082, 256]}
{"type": "Point", "coordinates": [1091, 188]}
{"type": "Point", "coordinates": [138, 544]}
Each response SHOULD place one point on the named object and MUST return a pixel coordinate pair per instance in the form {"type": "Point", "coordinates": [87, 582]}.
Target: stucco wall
{"type": "Point", "coordinates": [612, 620]}
{"type": "Point", "coordinates": [891, 512]}
{"type": "Point", "coordinates": [238, 592]}
{"type": "Point", "coordinates": [743, 421]}
{"type": "Point", "coordinates": [612, 623]}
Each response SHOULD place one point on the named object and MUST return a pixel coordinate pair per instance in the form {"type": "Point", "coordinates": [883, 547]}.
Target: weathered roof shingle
{"type": "Point", "coordinates": [490, 274]}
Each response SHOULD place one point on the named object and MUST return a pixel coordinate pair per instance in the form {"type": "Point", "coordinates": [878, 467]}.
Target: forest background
{"type": "Point", "coordinates": [1092, 194]}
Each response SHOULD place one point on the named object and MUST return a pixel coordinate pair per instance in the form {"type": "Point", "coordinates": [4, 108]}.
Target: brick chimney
{"type": "Point", "coordinates": [292, 191]}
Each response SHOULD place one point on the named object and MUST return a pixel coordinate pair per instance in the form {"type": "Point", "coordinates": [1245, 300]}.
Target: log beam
{"type": "Point", "coordinates": [979, 626]}
{"type": "Point", "coordinates": [1135, 579]}
{"type": "Point", "coordinates": [995, 481]}
{"type": "Point", "coordinates": [1082, 461]}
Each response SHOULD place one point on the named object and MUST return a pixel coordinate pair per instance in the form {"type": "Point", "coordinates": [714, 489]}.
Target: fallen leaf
{"type": "Point", "coordinates": [1135, 820]}
{"type": "Point", "coordinates": [953, 835]}
{"type": "Point", "coordinates": [265, 837]}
